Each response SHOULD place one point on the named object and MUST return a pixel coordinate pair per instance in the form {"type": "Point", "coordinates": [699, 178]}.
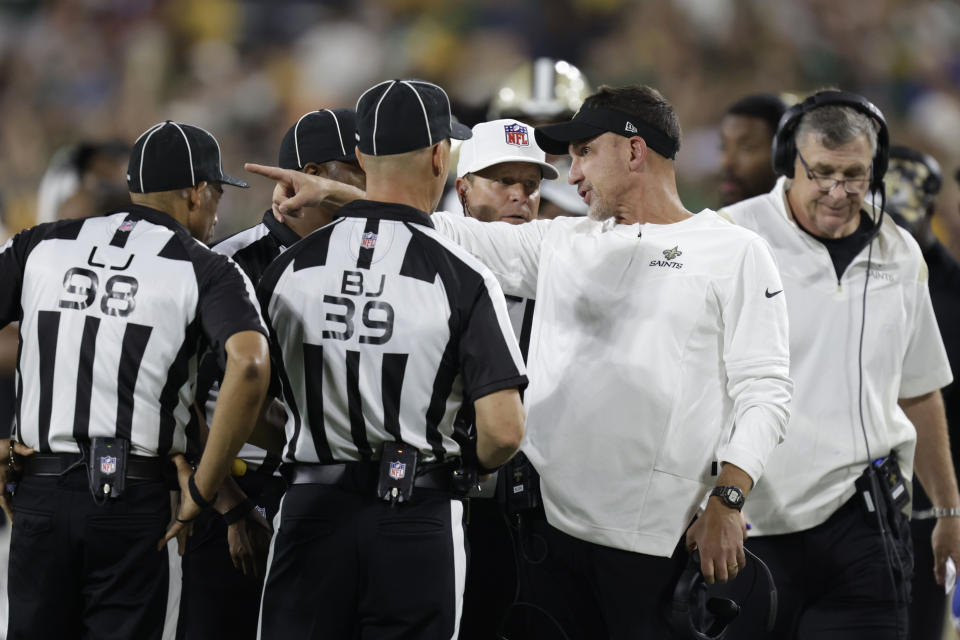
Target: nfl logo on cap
{"type": "Point", "coordinates": [516, 135]}
{"type": "Point", "coordinates": [108, 465]}
{"type": "Point", "coordinates": [369, 240]}
{"type": "Point", "coordinates": [398, 470]}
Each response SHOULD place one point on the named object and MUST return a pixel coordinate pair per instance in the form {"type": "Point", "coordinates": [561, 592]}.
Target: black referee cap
{"type": "Point", "coordinates": [170, 156]}
{"type": "Point", "coordinates": [397, 116]}
{"type": "Point", "coordinates": [320, 136]}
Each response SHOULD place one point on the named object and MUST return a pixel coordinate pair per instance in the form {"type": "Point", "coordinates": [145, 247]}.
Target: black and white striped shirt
{"type": "Point", "coordinates": [112, 313]}
{"type": "Point", "coordinates": [253, 249]}
{"type": "Point", "coordinates": [383, 328]}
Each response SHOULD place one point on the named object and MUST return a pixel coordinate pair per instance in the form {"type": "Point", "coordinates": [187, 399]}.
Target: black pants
{"type": "Point", "coordinates": [491, 571]}
{"type": "Point", "coordinates": [928, 606]}
{"type": "Point", "coordinates": [218, 600]}
{"type": "Point", "coordinates": [833, 582]}
{"type": "Point", "coordinates": [929, 603]}
{"type": "Point", "coordinates": [592, 592]}
{"type": "Point", "coordinates": [347, 565]}
{"type": "Point", "coordinates": [78, 570]}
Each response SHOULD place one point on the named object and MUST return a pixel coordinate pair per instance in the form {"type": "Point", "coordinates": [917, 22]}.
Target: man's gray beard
{"type": "Point", "coordinates": [598, 212]}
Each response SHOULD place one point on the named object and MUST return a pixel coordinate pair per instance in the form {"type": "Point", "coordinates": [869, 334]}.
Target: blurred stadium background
{"type": "Point", "coordinates": [102, 70]}
{"type": "Point", "coordinates": [247, 69]}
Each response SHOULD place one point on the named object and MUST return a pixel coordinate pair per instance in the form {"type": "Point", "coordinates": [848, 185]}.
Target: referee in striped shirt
{"type": "Point", "coordinates": [217, 599]}
{"type": "Point", "coordinates": [384, 329]}
{"type": "Point", "coordinates": [112, 311]}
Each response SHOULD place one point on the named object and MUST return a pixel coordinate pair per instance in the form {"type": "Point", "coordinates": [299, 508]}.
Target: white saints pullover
{"type": "Point", "coordinates": [656, 350]}
{"type": "Point", "coordinates": [812, 474]}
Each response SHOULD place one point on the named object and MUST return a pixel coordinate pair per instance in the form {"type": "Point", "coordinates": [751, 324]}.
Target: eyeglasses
{"type": "Point", "coordinates": [826, 184]}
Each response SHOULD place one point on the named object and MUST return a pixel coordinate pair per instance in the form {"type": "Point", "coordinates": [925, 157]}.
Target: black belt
{"type": "Point", "coordinates": [361, 475]}
{"type": "Point", "coordinates": [55, 464]}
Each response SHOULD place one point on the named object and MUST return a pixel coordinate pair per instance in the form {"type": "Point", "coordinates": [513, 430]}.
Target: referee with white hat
{"type": "Point", "coordinates": [383, 330]}
{"type": "Point", "coordinates": [112, 312]}
{"type": "Point", "coordinates": [500, 173]}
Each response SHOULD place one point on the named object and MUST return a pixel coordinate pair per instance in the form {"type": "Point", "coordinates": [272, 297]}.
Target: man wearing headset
{"type": "Point", "coordinates": [868, 363]}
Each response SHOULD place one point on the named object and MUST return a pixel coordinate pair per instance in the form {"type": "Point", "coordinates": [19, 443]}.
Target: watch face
{"type": "Point", "coordinates": [731, 496]}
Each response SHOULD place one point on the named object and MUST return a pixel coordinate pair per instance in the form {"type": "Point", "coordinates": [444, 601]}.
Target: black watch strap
{"type": "Point", "coordinates": [730, 496]}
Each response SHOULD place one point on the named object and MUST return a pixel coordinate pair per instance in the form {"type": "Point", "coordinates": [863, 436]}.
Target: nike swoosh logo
{"type": "Point", "coordinates": [770, 295]}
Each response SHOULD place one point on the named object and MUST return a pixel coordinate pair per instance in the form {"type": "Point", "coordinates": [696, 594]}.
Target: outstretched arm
{"type": "Point", "coordinates": [300, 190]}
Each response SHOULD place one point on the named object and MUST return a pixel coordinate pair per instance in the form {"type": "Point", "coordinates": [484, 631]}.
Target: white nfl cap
{"type": "Point", "coordinates": [502, 141]}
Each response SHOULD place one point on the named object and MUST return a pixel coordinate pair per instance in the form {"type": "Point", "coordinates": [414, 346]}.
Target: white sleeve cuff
{"type": "Point", "coordinates": [754, 437]}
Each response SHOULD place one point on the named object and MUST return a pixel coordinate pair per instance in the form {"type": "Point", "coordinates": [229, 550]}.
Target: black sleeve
{"type": "Point", "coordinates": [264, 293]}
{"type": "Point", "coordinates": [227, 304]}
{"type": "Point", "coordinates": [489, 356]}
{"type": "Point", "coordinates": [13, 256]}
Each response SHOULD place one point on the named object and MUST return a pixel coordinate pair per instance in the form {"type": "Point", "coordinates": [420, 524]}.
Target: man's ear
{"type": "Point", "coordinates": [462, 186]}
{"type": "Point", "coordinates": [196, 194]}
{"type": "Point", "coordinates": [638, 153]}
{"type": "Point", "coordinates": [440, 157]}
{"type": "Point", "coordinates": [359, 155]}
{"type": "Point", "coordinates": [312, 169]}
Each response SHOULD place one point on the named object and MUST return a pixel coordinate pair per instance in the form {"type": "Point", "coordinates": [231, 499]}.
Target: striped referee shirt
{"type": "Point", "coordinates": [253, 250]}
{"type": "Point", "coordinates": [112, 313]}
{"type": "Point", "coordinates": [383, 329]}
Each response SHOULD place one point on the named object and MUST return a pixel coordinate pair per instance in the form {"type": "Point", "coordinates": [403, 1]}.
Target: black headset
{"type": "Point", "coordinates": [934, 181]}
{"type": "Point", "coordinates": [785, 144]}
{"type": "Point", "coordinates": [694, 616]}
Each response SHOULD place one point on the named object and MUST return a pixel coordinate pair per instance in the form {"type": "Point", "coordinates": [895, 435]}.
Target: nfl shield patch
{"type": "Point", "coordinates": [516, 135]}
{"type": "Point", "coordinates": [127, 225]}
{"type": "Point", "coordinates": [369, 240]}
{"type": "Point", "coordinates": [398, 470]}
{"type": "Point", "coordinates": [108, 465]}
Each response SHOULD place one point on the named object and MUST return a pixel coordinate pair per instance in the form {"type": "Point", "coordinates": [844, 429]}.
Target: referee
{"type": "Point", "coordinates": [112, 311]}
{"type": "Point", "coordinates": [219, 600]}
{"type": "Point", "coordinates": [384, 329]}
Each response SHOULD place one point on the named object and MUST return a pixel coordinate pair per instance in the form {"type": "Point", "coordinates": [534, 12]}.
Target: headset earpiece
{"type": "Point", "coordinates": [784, 151]}
{"type": "Point", "coordinates": [694, 616]}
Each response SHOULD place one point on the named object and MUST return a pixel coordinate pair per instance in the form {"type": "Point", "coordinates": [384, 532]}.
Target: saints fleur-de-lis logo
{"type": "Point", "coordinates": [670, 254]}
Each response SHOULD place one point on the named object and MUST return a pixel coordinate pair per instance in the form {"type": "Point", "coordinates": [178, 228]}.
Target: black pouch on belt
{"type": "Point", "coordinates": [398, 470]}
{"type": "Point", "coordinates": [107, 467]}
{"type": "Point", "coordinates": [882, 486]}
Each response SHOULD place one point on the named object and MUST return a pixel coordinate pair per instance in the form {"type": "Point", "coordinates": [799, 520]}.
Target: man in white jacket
{"type": "Point", "coordinates": [659, 367]}
{"type": "Point", "coordinates": [868, 363]}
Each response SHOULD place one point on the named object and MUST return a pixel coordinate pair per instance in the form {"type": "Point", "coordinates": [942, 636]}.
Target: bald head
{"type": "Point", "coordinates": [415, 178]}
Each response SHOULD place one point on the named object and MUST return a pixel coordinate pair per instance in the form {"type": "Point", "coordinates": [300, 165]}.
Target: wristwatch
{"type": "Point", "coordinates": [935, 512]}
{"type": "Point", "coordinates": [730, 496]}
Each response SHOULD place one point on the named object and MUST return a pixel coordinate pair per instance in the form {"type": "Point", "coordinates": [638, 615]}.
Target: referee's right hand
{"type": "Point", "coordinates": [182, 524]}
{"type": "Point", "coordinates": [9, 466]}
{"type": "Point", "coordinates": [6, 468]}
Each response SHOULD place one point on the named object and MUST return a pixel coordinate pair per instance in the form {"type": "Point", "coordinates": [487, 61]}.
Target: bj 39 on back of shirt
{"type": "Point", "coordinates": [383, 329]}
